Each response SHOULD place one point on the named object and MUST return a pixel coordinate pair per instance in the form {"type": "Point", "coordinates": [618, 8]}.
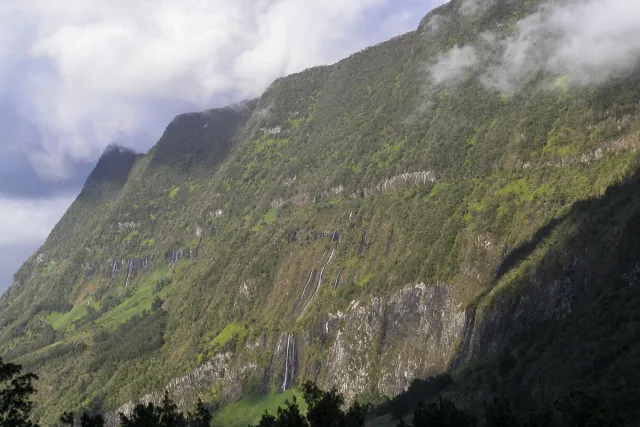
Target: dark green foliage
{"type": "Point", "coordinates": [498, 413]}
{"type": "Point", "coordinates": [156, 305]}
{"type": "Point", "coordinates": [16, 389]}
{"type": "Point", "coordinates": [289, 416]}
{"type": "Point", "coordinates": [142, 416]}
{"type": "Point", "coordinates": [137, 336]}
{"type": "Point", "coordinates": [506, 363]}
{"type": "Point", "coordinates": [578, 409]}
{"type": "Point", "coordinates": [201, 418]}
{"type": "Point", "coordinates": [67, 418]}
{"type": "Point", "coordinates": [325, 409]}
{"type": "Point", "coordinates": [582, 409]}
{"type": "Point", "coordinates": [418, 391]}
{"type": "Point", "coordinates": [165, 415]}
{"type": "Point", "coordinates": [442, 413]}
{"type": "Point", "coordinates": [86, 420]}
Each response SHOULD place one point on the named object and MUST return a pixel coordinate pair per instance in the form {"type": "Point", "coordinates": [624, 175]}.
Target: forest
{"type": "Point", "coordinates": [323, 409]}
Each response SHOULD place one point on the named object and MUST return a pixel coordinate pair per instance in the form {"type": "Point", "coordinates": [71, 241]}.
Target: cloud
{"type": "Point", "coordinates": [12, 256]}
{"type": "Point", "coordinates": [472, 7]}
{"type": "Point", "coordinates": [25, 225]}
{"type": "Point", "coordinates": [85, 74]}
{"type": "Point", "coordinates": [451, 66]}
{"type": "Point", "coordinates": [588, 41]}
{"type": "Point", "coordinates": [27, 221]}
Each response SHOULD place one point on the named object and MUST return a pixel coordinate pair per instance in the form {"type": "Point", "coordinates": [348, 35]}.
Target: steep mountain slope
{"type": "Point", "coordinates": [395, 215]}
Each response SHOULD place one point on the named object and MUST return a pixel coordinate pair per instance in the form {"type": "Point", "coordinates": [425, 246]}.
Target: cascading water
{"type": "Point", "coordinates": [317, 287]}
{"type": "Point", "coordinates": [286, 365]}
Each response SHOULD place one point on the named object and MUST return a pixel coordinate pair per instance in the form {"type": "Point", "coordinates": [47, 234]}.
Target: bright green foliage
{"type": "Point", "coordinates": [250, 408]}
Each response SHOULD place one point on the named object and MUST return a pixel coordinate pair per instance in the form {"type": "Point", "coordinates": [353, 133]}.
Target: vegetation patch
{"type": "Point", "coordinates": [229, 331]}
{"type": "Point", "coordinates": [250, 408]}
{"type": "Point", "coordinates": [60, 321]}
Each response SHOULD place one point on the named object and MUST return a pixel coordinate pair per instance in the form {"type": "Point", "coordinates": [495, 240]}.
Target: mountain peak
{"type": "Point", "coordinates": [113, 167]}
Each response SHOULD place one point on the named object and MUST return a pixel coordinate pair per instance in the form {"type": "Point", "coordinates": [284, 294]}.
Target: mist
{"type": "Point", "coordinates": [586, 42]}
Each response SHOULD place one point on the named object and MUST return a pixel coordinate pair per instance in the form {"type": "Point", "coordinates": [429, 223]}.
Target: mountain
{"type": "Point", "coordinates": [461, 195]}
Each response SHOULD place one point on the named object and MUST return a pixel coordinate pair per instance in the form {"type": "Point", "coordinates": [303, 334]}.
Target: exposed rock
{"type": "Point", "coordinates": [174, 255]}
{"type": "Point", "coordinates": [134, 266]}
{"type": "Point", "coordinates": [412, 334]}
{"type": "Point", "coordinates": [91, 268]}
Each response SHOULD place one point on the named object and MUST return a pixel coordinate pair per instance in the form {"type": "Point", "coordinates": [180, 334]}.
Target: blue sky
{"type": "Point", "coordinates": [76, 76]}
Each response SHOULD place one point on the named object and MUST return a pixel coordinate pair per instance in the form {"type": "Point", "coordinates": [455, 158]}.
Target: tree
{"type": "Point", "coordinates": [499, 414]}
{"type": "Point", "coordinates": [442, 413]}
{"type": "Point", "coordinates": [169, 415]}
{"type": "Point", "coordinates": [156, 305]}
{"type": "Point", "coordinates": [202, 417]}
{"type": "Point", "coordinates": [142, 416]}
{"type": "Point", "coordinates": [166, 415]}
{"type": "Point", "coordinates": [86, 420]}
{"type": "Point", "coordinates": [95, 420]}
{"type": "Point", "coordinates": [583, 409]}
{"type": "Point", "coordinates": [325, 409]}
{"type": "Point", "coordinates": [67, 419]}
{"type": "Point", "coordinates": [15, 390]}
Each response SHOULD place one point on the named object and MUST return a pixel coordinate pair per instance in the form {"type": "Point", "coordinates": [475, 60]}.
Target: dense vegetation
{"type": "Point", "coordinates": [271, 242]}
{"type": "Point", "coordinates": [323, 409]}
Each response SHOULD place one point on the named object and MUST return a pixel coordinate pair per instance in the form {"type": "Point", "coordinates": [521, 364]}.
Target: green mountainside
{"type": "Point", "coordinates": [359, 225]}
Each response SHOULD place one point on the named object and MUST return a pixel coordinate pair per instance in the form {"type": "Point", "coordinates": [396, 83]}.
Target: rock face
{"type": "Point", "coordinates": [377, 345]}
{"type": "Point", "coordinates": [410, 335]}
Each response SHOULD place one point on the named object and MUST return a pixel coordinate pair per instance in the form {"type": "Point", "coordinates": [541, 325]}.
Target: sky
{"type": "Point", "coordinates": [77, 75]}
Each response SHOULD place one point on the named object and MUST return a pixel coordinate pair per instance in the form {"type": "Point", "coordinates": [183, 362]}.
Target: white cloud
{"type": "Point", "coordinates": [88, 72]}
{"type": "Point", "coordinates": [589, 41]}
{"type": "Point", "coordinates": [452, 65]}
{"type": "Point", "coordinates": [29, 221]}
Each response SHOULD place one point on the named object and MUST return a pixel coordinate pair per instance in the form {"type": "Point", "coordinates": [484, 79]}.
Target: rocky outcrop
{"type": "Point", "coordinates": [378, 345]}
{"type": "Point", "coordinates": [221, 371]}
{"type": "Point", "coordinates": [134, 266]}
{"type": "Point", "coordinates": [91, 268]}
{"type": "Point", "coordinates": [412, 334]}
{"type": "Point", "coordinates": [172, 256]}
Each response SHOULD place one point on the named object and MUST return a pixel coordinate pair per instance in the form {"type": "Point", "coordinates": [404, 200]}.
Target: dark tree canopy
{"type": "Point", "coordinates": [166, 415]}
{"type": "Point", "coordinates": [325, 409]}
{"type": "Point", "coordinates": [15, 391]}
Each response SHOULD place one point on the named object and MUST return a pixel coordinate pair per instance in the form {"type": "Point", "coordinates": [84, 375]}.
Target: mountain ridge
{"type": "Point", "coordinates": [360, 225]}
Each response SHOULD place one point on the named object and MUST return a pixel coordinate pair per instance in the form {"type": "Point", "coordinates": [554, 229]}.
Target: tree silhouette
{"type": "Point", "coordinates": [86, 420]}
{"type": "Point", "coordinates": [166, 415]}
{"type": "Point", "coordinates": [583, 409]}
{"type": "Point", "coordinates": [499, 414]}
{"type": "Point", "coordinates": [442, 413]}
{"type": "Point", "coordinates": [142, 416]}
{"type": "Point", "coordinates": [201, 418]}
{"type": "Point", "coordinates": [15, 390]}
{"type": "Point", "coordinates": [325, 409]}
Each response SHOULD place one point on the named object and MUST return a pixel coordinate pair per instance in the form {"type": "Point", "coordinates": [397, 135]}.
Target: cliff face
{"type": "Point", "coordinates": [361, 225]}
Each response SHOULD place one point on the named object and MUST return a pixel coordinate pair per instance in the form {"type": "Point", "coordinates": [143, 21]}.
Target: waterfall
{"type": "Point", "coordinates": [318, 286]}
{"type": "Point", "coordinates": [305, 286]}
{"type": "Point", "coordinates": [114, 269]}
{"type": "Point", "coordinates": [309, 280]}
{"type": "Point", "coordinates": [286, 365]}
{"type": "Point", "coordinates": [126, 283]}
{"type": "Point", "coordinates": [335, 285]}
